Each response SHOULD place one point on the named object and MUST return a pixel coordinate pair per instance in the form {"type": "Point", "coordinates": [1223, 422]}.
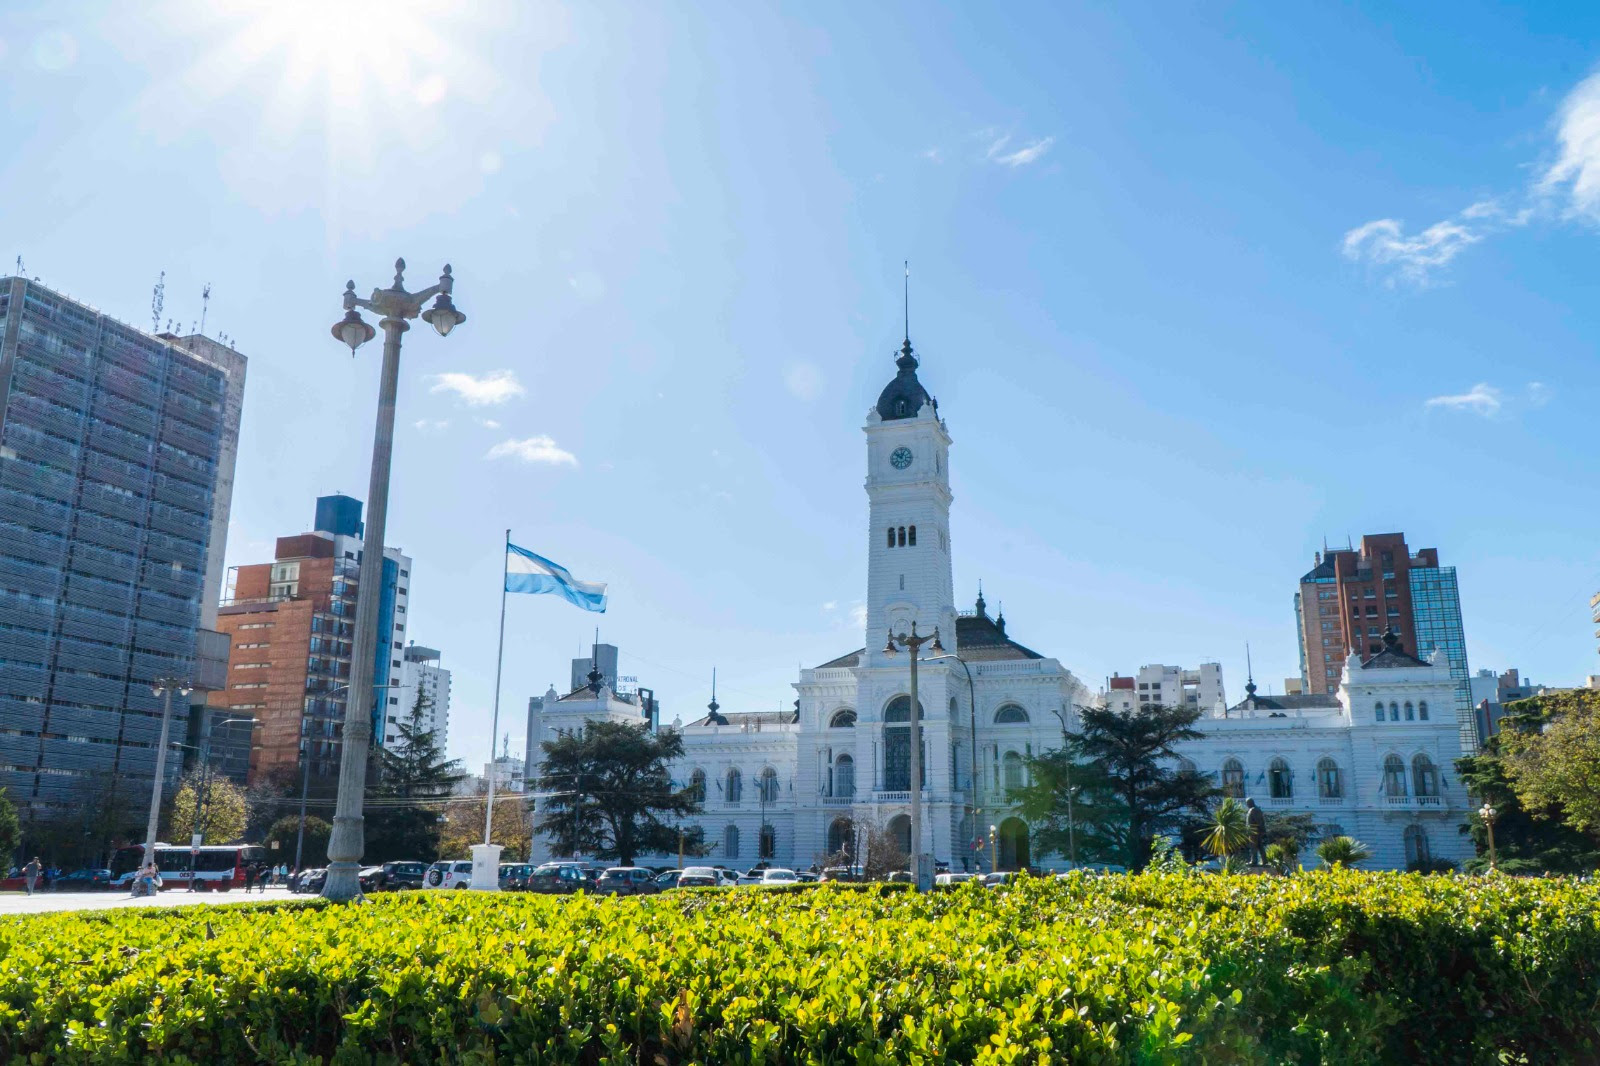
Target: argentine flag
{"type": "Point", "coordinates": [527, 572]}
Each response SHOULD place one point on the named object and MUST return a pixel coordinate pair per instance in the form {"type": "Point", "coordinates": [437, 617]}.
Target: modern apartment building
{"type": "Point", "coordinates": [292, 621]}
{"type": "Point", "coordinates": [1169, 686]}
{"type": "Point", "coordinates": [420, 672]}
{"type": "Point", "coordinates": [1352, 596]}
{"type": "Point", "coordinates": [111, 478]}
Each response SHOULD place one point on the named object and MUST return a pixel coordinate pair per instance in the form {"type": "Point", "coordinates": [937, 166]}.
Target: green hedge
{"type": "Point", "coordinates": [1327, 967]}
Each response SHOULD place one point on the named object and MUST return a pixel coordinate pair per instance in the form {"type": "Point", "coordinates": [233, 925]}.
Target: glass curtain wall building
{"type": "Point", "coordinates": [109, 445]}
{"type": "Point", "coordinates": [1436, 616]}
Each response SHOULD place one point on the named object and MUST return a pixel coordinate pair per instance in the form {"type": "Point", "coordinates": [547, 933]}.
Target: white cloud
{"type": "Point", "coordinates": [539, 449]}
{"type": "Point", "coordinates": [858, 615]}
{"type": "Point", "coordinates": [1577, 168]}
{"type": "Point", "coordinates": [1383, 243]}
{"type": "Point", "coordinates": [1028, 153]}
{"type": "Point", "coordinates": [488, 423]}
{"type": "Point", "coordinates": [1481, 399]}
{"type": "Point", "coordinates": [803, 380]}
{"type": "Point", "coordinates": [831, 605]}
{"type": "Point", "coordinates": [494, 387]}
{"type": "Point", "coordinates": [432, 425]}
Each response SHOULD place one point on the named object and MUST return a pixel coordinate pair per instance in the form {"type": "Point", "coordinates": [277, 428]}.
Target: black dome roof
{"type": "Point", "coordinates": [904, 396]}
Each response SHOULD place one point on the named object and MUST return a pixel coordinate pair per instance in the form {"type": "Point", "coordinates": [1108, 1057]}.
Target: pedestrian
{"type": "Point", "coordinates": [283, 874]}
{"type": "Point", "coordinates": [31, 872]}
{"type": "Point", "coordinates": [249, 878]}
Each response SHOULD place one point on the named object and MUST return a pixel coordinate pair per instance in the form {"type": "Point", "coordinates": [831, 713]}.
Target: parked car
{"type": "Point", "coordinates": [948, 880]}
{"type": "Point", "coordinates": [91, 880]}
{"type": "Point", "coordinates": [1000, 880]}
{"type": "Point", "coordinates": [840, 873]}
{"type": "Point", "coordinates": [558, 878]}
{"type": "Point", "coordinates": [699, 877]}
{"type": "Point", "coordinates": [778, 876]}
{"type": "Point", "coordinates": [514, 876]}
{"type": "Point", "coordinates": [449, 874]}
{"type": "Point", "coordinates": [310, 881]}
{"type": "Point", "coordinates": [369, 878]}
{"type": "Point", "coordinates": [668, 879]}
{"type": "Point", "coordinates": [727, 878]}
{"type": "Point", "coordinates": [627, 881]}
{"type": "Point", "coordinates": [401, 876]}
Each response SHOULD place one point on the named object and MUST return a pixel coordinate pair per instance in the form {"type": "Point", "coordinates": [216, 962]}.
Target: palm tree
{"type": "Point", "coordinates": [1343, 851]}
{"type": "Point", "coordinates": [1230, 829]}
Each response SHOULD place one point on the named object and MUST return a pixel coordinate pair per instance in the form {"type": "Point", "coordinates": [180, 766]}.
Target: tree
{"type": "Point", "coordinates": [286, 831]}
{"type": "Point", "coordinates": [10, 829]}
{"type": "Point", "coordinates": [210, 805]}
{"type": "Point", "coordinates": [1551, 750]}
{"type": "Point", "coordinates": [610, 792]}
{"type": "Point", "coordinates": [463, 826]}
{"type": "Point", "coordinates": [1527, 839]}
{"type": "Point", "coordinates": [1230, 829]}
{"type": "Point", "coordinates": [1343, 851]}
{"type": "Point", "coordinates": [1127, 789]}
{"type": "Point", "coordinates": [405, 804]}
{"type": "Point", "coordinates": [884, 855]}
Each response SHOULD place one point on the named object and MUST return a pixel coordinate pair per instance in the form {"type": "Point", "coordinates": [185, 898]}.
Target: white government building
{"type": "Point", "coordinates": [1375, 762]}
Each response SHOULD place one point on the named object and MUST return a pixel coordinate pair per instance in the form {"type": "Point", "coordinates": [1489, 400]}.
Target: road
{"type": "Point", "coordinates": [50, 902]}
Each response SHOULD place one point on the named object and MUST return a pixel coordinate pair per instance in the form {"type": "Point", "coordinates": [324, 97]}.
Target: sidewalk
{"type": "Point", "coordinates": [51, 902]}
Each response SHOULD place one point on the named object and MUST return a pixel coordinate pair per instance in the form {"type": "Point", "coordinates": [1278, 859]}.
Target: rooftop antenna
{"type": "Point", "coordinates": [19, 266]}
{"type": "Point", "coordinates": [158, 299]}
{"type": "Point", "coordinates": [205, 305]}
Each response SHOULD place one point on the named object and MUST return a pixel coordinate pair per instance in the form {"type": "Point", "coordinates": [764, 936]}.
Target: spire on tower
{"type": "Point", "coordinates": [1249, 673]}
{"type": "Point", "coordinates": [908, 304]}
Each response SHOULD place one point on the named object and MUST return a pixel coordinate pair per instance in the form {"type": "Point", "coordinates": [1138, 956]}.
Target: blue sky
{"type": "Point", "coordinates": [1196, 286]}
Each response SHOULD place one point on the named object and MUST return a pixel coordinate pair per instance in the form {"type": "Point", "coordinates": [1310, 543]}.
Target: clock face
{"type": "Point", "coordinates": [901, 458]}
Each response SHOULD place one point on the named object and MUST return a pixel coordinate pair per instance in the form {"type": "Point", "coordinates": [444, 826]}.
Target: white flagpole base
{"type": "Point", "coordinates": [486, 867]}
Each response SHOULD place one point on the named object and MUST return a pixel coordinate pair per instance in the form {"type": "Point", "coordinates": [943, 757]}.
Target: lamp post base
{"type": "Point", "coordinates": [924, 872]}
{"type": "Point", "coordinates": [486, 867]}
{"type": "Point", "coordinates": [343, 883]}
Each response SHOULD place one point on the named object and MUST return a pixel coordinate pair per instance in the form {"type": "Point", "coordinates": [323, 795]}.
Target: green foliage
{"type": "Point", "coordinates": [211, 805]}
{"type": "Point", "coordinates": [313, 850]}
{"type": "Point", "coordinates": [1127, 791]}
{"type": "Point", "coordinates": [1230, 829]}
{"type": "Point", "coordinates": [1342, 967]}
{"type": "Point", "coordinates": [611, 795]}
{"type": "Point", "coordinates": [404, 819]}
{"type": "Point", "coordinates": [1550, 746]}
{"type": "Point", "coordinates": [10, 828]}
{"type": "Point", "coordinates": [1343, 851]}
{"type": "Point", "coordinates": [1530, 838]}
{"type": "Point", "coordinates": [1166, 858]}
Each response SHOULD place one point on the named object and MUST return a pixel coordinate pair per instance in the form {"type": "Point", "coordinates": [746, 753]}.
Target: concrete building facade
{"type": "Point", "coordinates": [420, 672]}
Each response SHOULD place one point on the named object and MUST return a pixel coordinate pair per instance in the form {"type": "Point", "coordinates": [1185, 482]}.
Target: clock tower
{"type": "Point", "coordinates": [908, 492]}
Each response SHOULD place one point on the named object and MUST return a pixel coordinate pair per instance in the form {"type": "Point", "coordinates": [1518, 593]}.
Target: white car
{"type": "Point", "coordinates": [448, 875]}
{"type": "Point", "coordinates": [777, 876]}
{"type": "Point", "coordinates": [951, 880]}
{"type": "Point", "coordinates": [728, 878]}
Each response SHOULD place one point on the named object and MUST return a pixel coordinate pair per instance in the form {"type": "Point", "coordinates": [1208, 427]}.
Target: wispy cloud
{"type": "Point", "coordinates": [1539, 393]}
{"type": "Point", "coordinates": [858, 615]}
{"type": "Point", "coordinates": [431, 425]}
{"type": "Point", "coordinates": [1481, 399]}
{"type": "Point", "coordinates": [1028, 153]}
{"type": "Point", "coordinates": [482, 390]}
{"type": "Point", "coordinates": [1383, 243]}
{"type": "Point", "coordinates": [1576, 171]}
{"type": "Point", "coordinates": [542, 450]}
{"type": "Point", "coordinates": [830, 605]}
{"type": "Point", "coordinates": [803, 380]}
{"type": "Point", "coordinates": [487, 423]}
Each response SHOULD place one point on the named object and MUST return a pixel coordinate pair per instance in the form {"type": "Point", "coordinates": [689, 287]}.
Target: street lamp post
{"type": "Point", "coordinates": [1072, 827]}
{"type": "Point", "coordinates": [921, 867]}
{"type": "Point", "coordinates": [994, 849]}
{"type": "Point", "coordinates": [395, 306]}
{"type": "Point", "coordinates": [1489, 814]}
{"type": "Point", "coordinates": [163, 687]}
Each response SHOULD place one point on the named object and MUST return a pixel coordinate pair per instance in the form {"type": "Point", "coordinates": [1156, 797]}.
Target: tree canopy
{"type": "Point", "coordinates": [463, 826]}
{"type": "Point", "coordinates": [405, 803]}
{"type": "Point", "coordinates": [10, 828]}
{"type": "Point", "coordinates": [210, 805]}
{"type": "Point", "coordinates": [1115, 785]}
{"type": "Point", "coordinates": [609, 792]}
{"type": "Point", "coordinates": [1551, 750]}
{"type": "Point", "coordinates": [313, 850]}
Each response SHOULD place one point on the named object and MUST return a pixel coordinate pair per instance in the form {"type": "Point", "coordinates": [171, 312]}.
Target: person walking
{"type": "Point", "coordinates": [31, 872]}
{"type": "Point", "coordinates": [1256, 819]}
{"type": "Point", "coordinates": [249, 878]}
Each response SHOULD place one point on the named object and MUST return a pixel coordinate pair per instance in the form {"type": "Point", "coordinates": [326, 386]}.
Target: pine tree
{"type": "Point", "coordinates": [405, 803]}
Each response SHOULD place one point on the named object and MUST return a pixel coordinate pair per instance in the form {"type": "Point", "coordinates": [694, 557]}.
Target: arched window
{"type": "Point", "coordinates": [1280, 780]}
{"type": "Point", "coordinates": [897, 744]}
{"type": "Point", "coordinates": [1394, 711]}
{"type": "Point", "coordinates": [1394, 776]}
{"type": "Point", "coordinates": [767, 843]}
{"type": "Point", "coordinates": [844, 718]}
{"type": "Point", "coordinates": [1233, 779]}
{"type": "Point", "coordinates": [1010, 714]}
{"type": "Point", "coordinates": [899, 709]}
{"type": "Point", "coordinates": [1013, 769]}
{"type": "Point", "coordinates": [902, 536]}
{"type": "Point", "coordinates": [1186, 766]}
{"type": "Point", "coordinates": [911, 538]}
{"type": "Point", "coordinates": [844, 776]}
{"type": "Point", "coordinates": [891, 536]}
{"type": "Point", "coordinates": [1329, 784]}
{"type": "Point", "coordinates": [767, 785]}
{"type": "Point", "coordinates": [697, 786]}
{"type": "Point", "coordinates": [1424, 777]}
{"type": "Point", "coordinates": [1411, 712]}
{"type": "Point", "coordinates": [1416, 839]}
{"type": "Point", "coordinates": [1380, 710]}
{"type": "Point", "coordinates": [841, 837]}
{"type": "Point", "coordinates": [730, 842]}
{"type": "Point", "coordinates": [735, 789]}
{"type": "Point", "coordinates": [1422, 710]}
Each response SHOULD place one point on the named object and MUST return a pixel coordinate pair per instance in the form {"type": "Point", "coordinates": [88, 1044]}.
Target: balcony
{"type": "Point", "coordinates": [46, 416]}
{"type": "Point", "coordinates": [20, 542]}
{"type": "Point", "coordinates": [177, 522]}
{"type": "Point", "coordinates": [183, 583]}
{"type": "Point", "coordinates": [135, 387]}
{"type": "Point", "coordinates": [131, 416]}
{"type": "Point", "coordinates": [204, 421]}
{"type": "Point", "coordinates": [36, 444]}
{"type": "Point", "coordinates": [181, 550]}
{"type": "Point", "coordinates": [183, 494]}
{"type": "Point", "coordinates": [84, 688]}
{"type": "Point", "coordinates": [168, 609]}
{"type": "Point", "coordinates": [837, 801]}
{"type": "Point", "coordinates": [1397, 801]}
{"type": "Point", "coordinates": [37, 479]}
{"type": "Point", "coordinates": [206, 386]}
{"type": "Point", "coordinates": [108, 532]}
{"type": "Point", "coordinates": [130, 356]}
{"type": "Point", "coordinates": [1330, 801]}
{"type": "Point", "coordinates": [101, 595]}
{"type": "Point", "coordinates": [34, 512]}
{"type": "Point", "coordinates": [31, 578]}
{"type": "Point", "coordinates": [182, 435]}
{"type": "Point", "coordinates": [1280, 801]}
{"type": "Point", "coordinates": [102, 562]}
{"type": "Point", "coordinates": [40, 381]}
{"type": "Point", "coordinates": [891, 797]}
{"type": "Point", "coordinates": [155, 637]}
{"type": "Point", "coordinates": [84, 655]}
{"type": "Point", "coordinates": [1429, 801]}
{"type": "Point", "coordinates": [118, 472]}
{"type": "Point", "coordinates": [113, 502]}
{"type": "Point", "coordinates": [67, 358]}
{"type": "Point", "coordinates": [116, 441]}
{"type": "Point", "coordinates": [93, 625]}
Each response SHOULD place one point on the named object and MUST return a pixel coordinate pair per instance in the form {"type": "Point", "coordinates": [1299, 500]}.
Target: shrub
{"type": "Point", "coordinates": [1339, 966]}
{"type": "Point", "coordinates": [1343, 851]}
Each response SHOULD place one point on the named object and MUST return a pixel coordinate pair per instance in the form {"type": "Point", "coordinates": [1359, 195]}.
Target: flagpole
{"type": "Point", "coordinates": [499, 663]}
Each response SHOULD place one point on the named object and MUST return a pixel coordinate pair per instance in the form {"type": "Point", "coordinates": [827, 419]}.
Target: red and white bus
{"type": "Point", "coordinates": [212, 866]}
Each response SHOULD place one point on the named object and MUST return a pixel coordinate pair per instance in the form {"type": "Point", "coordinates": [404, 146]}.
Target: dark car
{"type": "Point", "coordinates": [628, 881]}
{"type": "Point", "coordinates": [698, 877]}
{"type": "Point", "coordinates": [310, 882]}
{"type": "Point", "coordinates": [91, 880]}
{"type": "Point", "coordinates": [559, 878]}
{"type": "Point", "coordinates": [401, 876]}
{"type": "Point", "coordinates": [514, 876]}
{"type": "Point", "coordinates": [368, 878]}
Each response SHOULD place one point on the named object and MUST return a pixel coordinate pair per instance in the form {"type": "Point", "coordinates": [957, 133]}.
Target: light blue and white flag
{"type": "Point", "coordinates": [527, 572]}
